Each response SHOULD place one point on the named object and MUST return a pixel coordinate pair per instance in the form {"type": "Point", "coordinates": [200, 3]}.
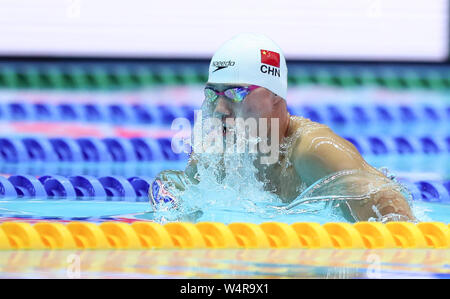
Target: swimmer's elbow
{"type": "Point", "coordinates": [392, 206]}
{"type": "Point", "coordinates": [385, 206]}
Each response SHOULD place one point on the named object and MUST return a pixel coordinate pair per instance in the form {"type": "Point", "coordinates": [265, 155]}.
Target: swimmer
{"type": "Point", "coordinates": [248, 79]}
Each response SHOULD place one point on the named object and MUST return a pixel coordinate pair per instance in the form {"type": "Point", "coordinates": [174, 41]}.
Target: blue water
{"type": "Point", "coordinates": [108, 210]}
{"type": "Point", "coordinates": [406, 131]}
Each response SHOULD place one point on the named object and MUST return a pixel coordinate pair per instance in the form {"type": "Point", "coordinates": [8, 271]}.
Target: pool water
{"type": "Point", "coordinates": [396, 123]}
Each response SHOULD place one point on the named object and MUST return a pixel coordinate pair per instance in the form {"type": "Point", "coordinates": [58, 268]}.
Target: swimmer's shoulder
{"type": "Point", "coordinates": [320, 141]}
{"type": "Point", "coordinates": [302, 127]}
{"type": "Point", "coordinates": [300, 133]}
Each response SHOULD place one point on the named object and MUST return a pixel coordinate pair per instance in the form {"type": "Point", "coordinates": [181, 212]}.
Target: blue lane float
{"type": "Point", "coordinates": [19, 111]}
{"type": "Point", "coordinates": [147, 149]}
{"type": "Point", "coordinates": [13, 150]}
{"type": "Point", "coordinates": [120, 149]}
{"type": "Point", "coordinates": [165, 144]}
{"type": "Point", "coordinates": [359, 115]}
{"type": "Point", "coordinates": [404, 146]}
{"type": "Point", "coordinates": [118, 188]}
{"type": "Point", "coordinates": [58, 186]}
{"type": "Point", "coordinates": [400, 145]}
{"type": "Point", "coordinates": [383, 114]}
{"type": "Point", "coordinates": [94, 150]}
{"type": "Point", "coordinates": [69, 112]}
{"type": "Point", "coordinates": [39, 149]}
{"type": "Point", "coordinates": [430, 146]}
{"type": "Point", "coordinates": [120, 114]}
{"type": "Point", "coordinates": [28, 186]}
{"type": "Point", "coordinates": [94, 113]}
{"type": "Point", "coordinates": [66, 149]}
{"type": "Point", "coordinates": [143, 149]}
{"type": "Point", "coordinates": [141, 186]}
{"type": "Point", "coordinates": [188, 112]}
{"type": "Point", "coordinates": [352, 114]}
{"type": "Point", "coordinates": [434, 191]}
{"type": "Point", "coordinates": [143, 114]}
{"type": "Point", "coordinates": [44, 112]}
{"type": "Point", "coordinates": [336, 115]}
{"type": "Point", "coordinates": [7, 188]}
{"type": "Point", "coordinates": [88, 187]}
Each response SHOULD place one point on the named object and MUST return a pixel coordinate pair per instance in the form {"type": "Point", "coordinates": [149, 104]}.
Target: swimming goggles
{"type": "Point", "coordinates": [235, 94]}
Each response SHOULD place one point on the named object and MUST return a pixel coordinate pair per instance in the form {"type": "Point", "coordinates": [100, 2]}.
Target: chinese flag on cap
{"type": "Point", "coordinates": [271, 58]}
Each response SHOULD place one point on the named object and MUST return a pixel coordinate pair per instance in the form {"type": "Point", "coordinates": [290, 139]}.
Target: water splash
{"type": "Point", "coordinates": [231, 189]}
{"type": "Point", "coordinates": [237, 195]}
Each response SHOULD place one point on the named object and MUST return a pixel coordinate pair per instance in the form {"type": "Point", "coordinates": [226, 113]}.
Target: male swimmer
{"type": "Point", "coordinates": [248, 79]}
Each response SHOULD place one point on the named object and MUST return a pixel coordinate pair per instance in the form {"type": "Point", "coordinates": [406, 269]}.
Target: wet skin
{"type": "Point", "coordinates": [315, 152]}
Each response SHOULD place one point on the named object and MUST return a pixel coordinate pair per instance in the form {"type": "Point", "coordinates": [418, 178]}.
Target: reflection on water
{"type": "Point", "coordinates": [230, 263]}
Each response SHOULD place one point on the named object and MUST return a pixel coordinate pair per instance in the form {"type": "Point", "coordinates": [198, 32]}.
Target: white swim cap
{"type": "Point", "coordinates": [253, 59]}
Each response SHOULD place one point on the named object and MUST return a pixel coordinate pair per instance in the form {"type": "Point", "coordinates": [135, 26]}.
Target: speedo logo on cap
{"type": "Point", "coordinates": [270, 63]}
{"type": "Point", "coordinates": [222, 64]}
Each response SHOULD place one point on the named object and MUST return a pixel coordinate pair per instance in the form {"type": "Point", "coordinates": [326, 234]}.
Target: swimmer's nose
{"type": "Point", "coordinates": [223, 108]}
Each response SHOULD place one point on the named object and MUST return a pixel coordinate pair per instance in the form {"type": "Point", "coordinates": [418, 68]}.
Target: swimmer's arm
{"type": "Point", "coordinates": [322, 152]}
{"type": "Point", "coordinates": [179, 178]}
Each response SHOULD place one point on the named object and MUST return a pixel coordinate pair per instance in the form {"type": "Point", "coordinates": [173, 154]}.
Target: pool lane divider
{"type": "Point", "coordinates": [183, 235]}
{"type": "Point", "coordinates": [123, 76]}
{"type": "Point", "coordinates": [141, 149]}
{"type": "Point", "coordinates": [157, 114]}
{"type": "Point", "coordinates": [87, 149]}
{"type": "Point", "coordinates": [107, 188]}
{"type": "Point", "coordinates": [118, 188]}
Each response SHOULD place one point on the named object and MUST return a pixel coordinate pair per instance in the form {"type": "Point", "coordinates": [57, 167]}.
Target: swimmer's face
{"type": "Point", "coordinates": [259, 103]}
